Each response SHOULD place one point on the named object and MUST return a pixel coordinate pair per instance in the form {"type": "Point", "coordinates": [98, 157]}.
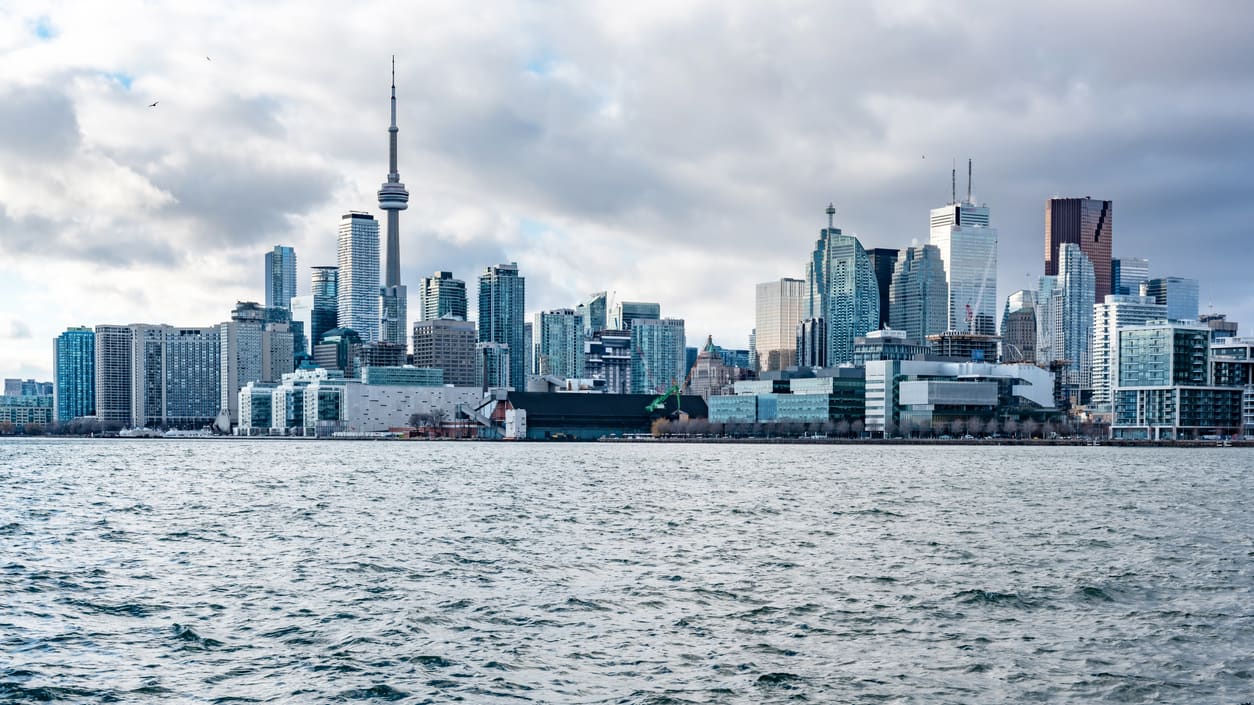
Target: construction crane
{"type": "Point", "coordinates": [675, 390]}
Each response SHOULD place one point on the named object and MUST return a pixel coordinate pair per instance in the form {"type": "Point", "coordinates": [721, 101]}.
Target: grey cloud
{"type": "Point", "coordinates": [37, 123]}
{"type": "Point", "coordinates": [19, 330]}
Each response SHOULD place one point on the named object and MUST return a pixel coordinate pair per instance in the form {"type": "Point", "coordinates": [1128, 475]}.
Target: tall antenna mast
{"type": "Point", "coordinates": [953, 181]}
{"type": "Point", "coordinates": [969, 180]}
{"type": "Point", "coordinates": [831, 213]}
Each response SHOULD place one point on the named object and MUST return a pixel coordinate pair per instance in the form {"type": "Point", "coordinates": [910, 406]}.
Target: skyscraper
{"type": "Point", "coordinates": [326, 295]}
{"type": "Point", "coordinates": [884, 261]}
{"type": "Point", "coordinates": [657, 354]}
{"type": "Point", "coordinates": [779, 307]}
{"type": "Point", "coordinates": [442, 296]}
{"type": "Point", "coordinates": [1127, 274]}
{"type": "Point", "coordinates": [74, 354]}
{"type": "Point", "coordinates": [240, 357]}
{"type": "Point", "coordinates": [842, 290]}
{"type": "Point", "coordinates": [1018, 328]}
{"type": "Point", "coordinates": [447, 344]}
{"type": "Point", "coordinates": [113, 375]}
{"type": "Point", "coordinates": [919, 296]}
{"type": "Point", "coordinates": [359, 275]}
{"type": "Point", "coordinates": [1178, 294]}
{"type": "Point", "coordinates": [302, 323]}
{"type": "Point", "coordinates": [1116, 312]}
{"type": "Point", "coordinates": [502, 302]}
{"type": "Point", "coordinates": [626, 312]}
{"type": "Point", "coordinates": [968, 247]}
{"type": "Point", "coordinates": [280, 277]}
{"type": "Point", "coordinates": [560, 348]}
{"type": "Point", "coordinates": [1088, 223]}
{"type": "Point", "coordinates": [1073, 320]}
{"type": "Point", "coordinates": [175, 374]}
{"type": "Point", "coordinates": [393, 198]}
{"type": "Point", "coordinates": [593, 312]}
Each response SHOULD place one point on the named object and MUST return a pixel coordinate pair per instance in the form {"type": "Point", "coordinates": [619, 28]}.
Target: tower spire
{"type": "Point", "coordinates": [393, 198]}
{"type": "Point", "coordinates": [831, 214]}
{"type": "Point", "coordinates": [969, 180]}
{"type": "Point", "coordinates": [953, 182]}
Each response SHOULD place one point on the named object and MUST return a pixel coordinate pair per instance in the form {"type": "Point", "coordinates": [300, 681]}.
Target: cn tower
{"type": "Point", "coordinates": [393, 198]}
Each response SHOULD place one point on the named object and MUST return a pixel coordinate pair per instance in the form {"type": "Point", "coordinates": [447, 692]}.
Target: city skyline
{"type": "Point", "coordinates": [159, 222]}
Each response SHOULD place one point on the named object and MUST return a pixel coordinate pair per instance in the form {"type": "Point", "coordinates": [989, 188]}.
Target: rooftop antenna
{"type": "Point", "coordinates": [831, 213]}
{"type": "Point", "coordinates": [953, 181]}
{"type": "Point", "coordinates": [969, 180]}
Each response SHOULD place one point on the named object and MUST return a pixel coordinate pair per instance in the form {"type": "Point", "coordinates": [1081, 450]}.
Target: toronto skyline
{"type": "Point", "coordinates": [672, 153]}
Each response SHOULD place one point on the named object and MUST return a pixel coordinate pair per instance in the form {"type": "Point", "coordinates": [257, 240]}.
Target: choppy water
{"type": "Point", "coordinates": [236, 571]}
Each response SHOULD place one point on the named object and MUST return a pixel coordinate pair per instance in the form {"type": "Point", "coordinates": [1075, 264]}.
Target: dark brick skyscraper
{"type": "Point", "coordinates": [1088, 223]}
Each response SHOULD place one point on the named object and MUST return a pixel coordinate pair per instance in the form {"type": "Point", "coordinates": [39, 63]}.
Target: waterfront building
{"type": "Point", "coordinates": [176, 376]}
{"type": "Point", "coordinates": [1088, 224]}
{"type": "Point", "coordinates": [968, 249]}
{"type": "Point", "coordinates": [607, 357]}
{"type": "Point", "coordinates": [326, 295]}
{"type": "Point", "coordinates": [502, 301]}
{"type": "Point", "coordinates": [494, 368]}
{"type": "Point", "coordinates": [442, 296]}
{"type": "Point", "coordinates": [842, 290]}
{"type": "Point", "coordinates": [1232, 365]}
{"type": "Point", "coordinates": [657, 347]}
{"type": "Point", "coordinates": [546, 415]}
{"type": "Point", "coordinates": [884, 262]}
{"type": "Point", "coordinates": [447, 344]}
{"type": "Point", "coordinates": [1163, 388]}
{"type": "Point", "coordinates": [28, 388]}
{"type": "Point", "coordinates": [812, 343]}
{"type": "Point", "coordinates": [779, 305]}
{"type": "Point", "coordinates": [560, 346]}
{"type": "Point", "coordinates": [1220, 326]}
{"type": "Point", "coordinates": [1127, 274]}
{"type": "Point", "coordinates": [626, 312]}
{"type": "Point", "coordinates": [593, 313]}
{"type": "Point", "coordinates": [113, 374]}
{"type": "Point", "coordinates": [74, 391]}
{"type": "Point", "coordinates": [393, 198]}
{"type": "Point", "coordinates": [1178, 294]}
{"type": "Point", "coordinates": [1108, 317]}
{"type": "Point", "coordinates": [280, 278]}
{"type": "Point", "coordinates": [241, 356]}
{"type": "Point", "coordinates": [27, 409]}
{"type": "Point", "coordinates": [887, 344]}
{"type": "Point", "coordinates": [358, 275]}
{"type": "Point", "coordinates": [919, 295]}
{"type": "Point", "coordinates": [821, 396]}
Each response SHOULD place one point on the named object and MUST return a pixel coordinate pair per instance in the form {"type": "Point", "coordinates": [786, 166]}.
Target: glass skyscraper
{"type": "Point", "coordinates": [442, 296]}
{"type": "Point", "coordinates": [280, 277]}
{"type": "Point", "coordinates": [74, 353]}
{"type": "Point", "coordinates": [1178, 294]}
{"type": "Point", "coordinates": [359, 275]}
{"type": "Point", "coordinates": [1115, 312]}
{"type": "Point", "coordinates": [1127, 274]}
{"type": "Point", "coordinates": [113, 374]}
{"type": "Point", "coordinates": [1087, 223]}
{"type": "Point", "coordinates": [594, 313]}
{"type": "Point", "coordinates": [1072, 318]}
{"type": "Point", "coordinates": [919, 295]}
{"type": "Point", "coordinates": [625, 312]}
{"type": "Point", "coordinates": [884, 260]}
{"type": "Point", "coordinates": [502, 302]}
{"type": "Point", "coordinates": [779, 309]}
{"type": "Point", "coordinates": [968, 247]}
{"type": "Point", "coordinates": [657, 354]}
{"type": "Point", "coordinates": [560, 348]}
{"type": "Point", "coordinates": [842, 290]}
{"type": "Point", "coordinates": [326, 294]}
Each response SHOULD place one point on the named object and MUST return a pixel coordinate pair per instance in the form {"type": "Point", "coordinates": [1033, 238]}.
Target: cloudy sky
{"type": "Point", "coordinates": [669, 151]}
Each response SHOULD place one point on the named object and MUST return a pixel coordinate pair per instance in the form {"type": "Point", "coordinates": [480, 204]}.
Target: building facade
{"type": "Point", "coordinates": [280, 279]}
{"type": "Point", "coordinates": [1117, 311]}
{"type": "Point", "coordinates": [968, 249]}
{"type": "Point", "coordinates": [326, 296]}
{"type": "Point", "coordinates": [1178, 294]}
{"type": "Point", "coordinates": [1127, 274]}
{"type": "Point", "coordinates": [884, 262]}
{"type": "Point", "coordinates": [442, 296]}
{"type": "Point", "coordinates": [175, 376]}
{"type": "Point", "coordinates": [594, 314]}
{"type": "Point", "coordinates": [842, 290]}
{"type": "Point", "coordinates": [113, 374]}
{"type": "Point", "coordinates": [1087, 223]}
{"type": "Point", "coordinates": [74, 358]}
{"type": "Point", "coordinates": [560, 346]}
{"type": "Point", "coordinates": [607, 357]}
{"type": "Point", "coordinates": [919, 295]}
{"type": "Point", "coordinates": [358, 275]}
{"type": "Point", "coordinates": [779, 305]}
{"type": "Point", "coordinates": [657, 348]}
{"type": "Point", "coordinates": [502, 301]}
{"type": "Point", "coordinates": [1072, 319]}
{"type": "Point", "coordinates": [626, 312]}
{"type": "Point", "coordinates": [447, 344]}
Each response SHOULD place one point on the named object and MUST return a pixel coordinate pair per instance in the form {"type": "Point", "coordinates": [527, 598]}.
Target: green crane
{"type": "Point", "coordinates": [658, 403]}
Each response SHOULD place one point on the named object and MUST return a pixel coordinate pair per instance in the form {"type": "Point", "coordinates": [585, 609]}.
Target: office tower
{"type": "Point", "coordinates": [627, 312]}
{"type": "Point", "coordinates": [779, 305]}
{"type": "Point", "coordinates": [1088, 223]}
{"type": "Point", "coordinates": [1178, 294]}
{"type": "Point", "coordinates": [447, 344]}
{"type": "Point", "coordinates": [393, 198]}
{"type": "Point", "coordinates": [1072, 319]}
{"type": "Point", "coordinates": [502, 301]}
{"type": "Point", "coordinates": [302, 323]}
{"type": "Point", "coordinates": [175, 376]}
{"type": "Point", "coordinates": [340, 350]}
{"type": "Point", "coordinates": [560, 347]}
{"type": "Point", "coordinates": [1163, 385]}
{"type": "Point", "coordinates": [493, 365]}
{"type": "Point", "coordinates": [842, 290]}
{"type": "Point", "coordinates": [607, 356]}
{"type": "Point", "coordinates": [529, 346]}
{"type": "Point", "coordinates": [593, 312]}
{"type": "Point", "coordinates": [326, 295]}
{"type": "Point", "coordinates": [1018, 328]}
{"type": "Point", "coordinates": [1127, 274]}
{"type": "Point", "coordinates": [968, 247]}
{"type": "Point", "coordinates": [280, 276]}
{"type": "Point", "coordinates": [277, 351]}
{"type": "Point", "coordinates": [1045, 347]}
{"type": "Point", "coordinates": [358, 277]}
{"type": "Point", "coordinates": [1115, 312]}
{"type": "Point", "coordinates": [1220, 326]}
{"type": "Point", "coordinates": [919, 295]}
{"type": "Point", "coordinates": [113, 375]}
{"type": "Point", "coordinates": [657, 349]}
{"type": "Point", "coordinates": [240, 357]}
{"type": "Point", "coordinates": [884, 262]}
{"type": "Point", "coordinates": [74, 373]}
{"type": "Point", "coordinates": [811, 343]}
{"type": "Point", "coordinates": [442, 296]}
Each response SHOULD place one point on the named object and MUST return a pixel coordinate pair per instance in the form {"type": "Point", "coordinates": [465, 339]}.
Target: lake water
{"type": "Point", "coordinates": [303, 571]}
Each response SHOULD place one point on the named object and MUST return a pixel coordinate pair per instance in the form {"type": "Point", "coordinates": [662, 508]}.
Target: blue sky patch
{"type": "Point", "coordinates": [42, 28]}
{"type": "Point", "coordinates": [123, 79]}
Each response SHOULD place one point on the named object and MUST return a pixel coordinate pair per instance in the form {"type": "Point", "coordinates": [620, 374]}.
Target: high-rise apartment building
{"type": "Point", "coordinates": [502, 302]}
{"type": "Point", "coordinates": [240, 355]}
{"type": "Point", "coordinates": [113, 374]}
{"type": "Point", "coordinates": [280, 277]}
{"type": "Point", "coordinates": [842, 290]}
{"type": "Point", "coordinates": [393, 198]}
{"type": "Point", "coordinates": [447, 344]}
{"type": "Point", "coordinates": [657, 348]}
{"type": "Point", "coordinates": [493, 366]}
{"type": "Point", "coordinates": [326, 296]}
{"type": "Point", "coordinates": [559, 350]}
{"type": "Point", "coordinates": [1127, 274]}
{"type": "Point", "coordinates": [1117, 311]}
{"type": "Point", "coordinates": [1072, 318]}
{"type": "Point", "coordinates": [968, 248]}
{"type": "Point", "coordinates": [884, 262]}
{"type": "Point", "coordinates": [919, 295]}
{"type": "Point", "coordinates": [626, 312]}
{"type": "Point", "coordinates": [442, 296]}
{"type": "Point", "coordinates": [607, 356]}
{"type": "Point", "coordinates": [302, 323]}
{"type": "Point", "coordinates": [175, 376]}
{"type": "Point", "coordinates": [593, 312]}
{"type": "Point", "coordinates": [1087, 223]}
{"type": "Point", "coordinates": [779, 309]}
{"type": "Point", "coordinates": [358, 276]}
{"type": "Point", "coordinates": [1178, 294]}
{"type": "Point", "coordinates": [74, 377]}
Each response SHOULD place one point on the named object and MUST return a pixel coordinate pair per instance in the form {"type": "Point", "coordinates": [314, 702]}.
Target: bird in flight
{"type": "Point", "coordinates": [208, 59]}
{"type": "Point", "coordinates": [154, 104]}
